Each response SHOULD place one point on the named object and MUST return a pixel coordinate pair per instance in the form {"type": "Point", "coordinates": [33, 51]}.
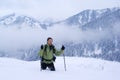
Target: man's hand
{"type": "Point", "coordinates": [41, 58]}
{"type": "Point", "coordinates": [41, 46]}
{"type": "Point", "coordinates": [63, 47]}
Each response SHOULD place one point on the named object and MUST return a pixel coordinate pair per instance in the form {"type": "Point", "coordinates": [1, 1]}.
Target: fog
{"type": "Point", "coordinates": [13, 38]}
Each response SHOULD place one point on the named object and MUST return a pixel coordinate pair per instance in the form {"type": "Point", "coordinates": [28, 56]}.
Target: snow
{"type": "Point", "coordinates": [90, 17]}
{"type": "Point", "coordinates": [80, 19]}
{"type": "Point", "coordinates": [97, 49]}
{"type": "Point", "coordinates": [77, 69]}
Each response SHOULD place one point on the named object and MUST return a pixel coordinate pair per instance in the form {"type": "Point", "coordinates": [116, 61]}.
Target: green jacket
{"type": "Point", "coordinates": [48, 54]}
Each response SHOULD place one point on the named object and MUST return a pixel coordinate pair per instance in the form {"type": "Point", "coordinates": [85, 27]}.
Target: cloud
{"type": "Point", "coordinates": [74, 34]}
{"type": "Point", "coordinates": [13, 38]}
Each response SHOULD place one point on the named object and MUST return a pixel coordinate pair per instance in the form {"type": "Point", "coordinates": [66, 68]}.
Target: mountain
{"type": "Point", "coordinates": [81, 19]}
{"type": "Point", "coordinates": [14, 19]}
{"type": "Point", "coordinates": [104, 42]}
{"type": "Point", "coordinates": [106, 22]}
{"type": "Point", "coordinates": [87, 16]}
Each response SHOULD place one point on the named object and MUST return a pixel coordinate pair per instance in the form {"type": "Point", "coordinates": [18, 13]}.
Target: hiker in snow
{"type": "Point", "coordinates": [47, 54]}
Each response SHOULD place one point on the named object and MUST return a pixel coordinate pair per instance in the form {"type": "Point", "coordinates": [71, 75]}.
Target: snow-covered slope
{"type": "Point", "coordinates": [20, 20]}
{"type": "Point", "coordinates": [80, 19]}
{"type": "Point", "coordinates": [77, 69]}
{"type": "Point", "coordinates": [87, 16]}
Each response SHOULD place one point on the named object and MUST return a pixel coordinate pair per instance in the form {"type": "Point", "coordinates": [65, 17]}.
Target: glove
{"type": "Point", "coordinates": [42, 58]}
{"type": "Point", "coordinates": [41, 46]}
{"type": "Point", "coordinates": [54, 58]}
{"type": "Point", "coordinates": [63, 47]}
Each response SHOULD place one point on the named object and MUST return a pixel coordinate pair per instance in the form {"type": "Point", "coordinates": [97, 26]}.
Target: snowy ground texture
{"type": "Point", "coordinates": [77, 69]}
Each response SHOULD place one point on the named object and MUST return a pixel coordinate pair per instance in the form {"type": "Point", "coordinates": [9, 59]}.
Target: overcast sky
{"type": "Point", "coordinates": [56, 9]}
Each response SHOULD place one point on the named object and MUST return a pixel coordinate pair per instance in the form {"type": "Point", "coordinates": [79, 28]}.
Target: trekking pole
{"type": "Point", "coordinates": [40, 65]}
{"type": "Point", "coordinates": [64, 62]}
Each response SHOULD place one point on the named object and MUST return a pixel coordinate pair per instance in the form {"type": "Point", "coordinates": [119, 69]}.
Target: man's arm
{"type": "Point", "coordinates": [59, 52]}
{"type": "Point", "coordinates": [41, 51]}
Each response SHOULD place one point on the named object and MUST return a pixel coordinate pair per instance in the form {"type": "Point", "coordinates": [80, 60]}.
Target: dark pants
{"type": "Point", "coordinates": [50, 66]}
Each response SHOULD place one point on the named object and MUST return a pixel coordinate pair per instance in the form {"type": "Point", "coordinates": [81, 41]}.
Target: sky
{"type": "Point", "coordinates": [53, 9]}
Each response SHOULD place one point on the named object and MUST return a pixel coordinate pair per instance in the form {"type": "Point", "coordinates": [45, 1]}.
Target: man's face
{"type": "Point", "coordinates": [50, 41]}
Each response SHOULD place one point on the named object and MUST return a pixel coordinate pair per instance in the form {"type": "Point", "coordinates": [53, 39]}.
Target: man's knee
{"type": "Point", "coordinates": [43, 66]}
{"type": "Point", "coordinates": [51, 67]}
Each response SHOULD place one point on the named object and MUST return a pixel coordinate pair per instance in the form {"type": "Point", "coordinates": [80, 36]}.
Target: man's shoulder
{"type": "Point", "coordinates": [44, 44]}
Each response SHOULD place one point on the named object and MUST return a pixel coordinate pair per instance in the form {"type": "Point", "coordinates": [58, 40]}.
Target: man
{"type": "Point", "coordinates": [47, 53]}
